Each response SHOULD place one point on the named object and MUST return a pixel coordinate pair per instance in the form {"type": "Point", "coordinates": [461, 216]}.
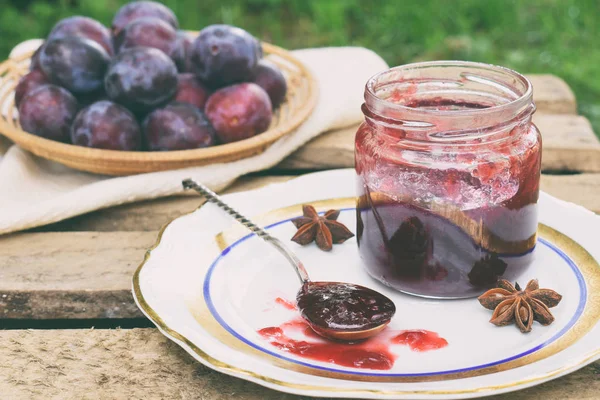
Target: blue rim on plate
{"type": "Point", "coordinates": [228, 328]}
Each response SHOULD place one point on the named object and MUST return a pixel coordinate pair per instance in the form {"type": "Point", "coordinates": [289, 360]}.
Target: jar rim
{"type": "Point", "coordinates": [521, 101]}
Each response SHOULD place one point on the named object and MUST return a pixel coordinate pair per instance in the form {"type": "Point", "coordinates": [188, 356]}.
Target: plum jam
{"type": "Point", "coordinates": [448, 170]}
{"type": "Point", "coordinates": [420, 340]}
{"type": "Point", "coordinates": [343, 306]}
{"type": "Point", "coordinates": [298, 337]}
{"type": "Point", "coordinates": [366, 355]}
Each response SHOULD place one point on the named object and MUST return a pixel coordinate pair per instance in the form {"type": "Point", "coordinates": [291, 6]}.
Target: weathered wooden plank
{"type": "Point", "coordinates": [552, 95]}
{"type": "Point", "coordinates": [569, 144]}
{"type": "Point", "coordinates": [75, 275]}
{"type": "Point", "coordinates": [149, 215]}
{"type": "Point", "coordinates": [142, 364]}
{"type": "Point", "coordinates": [582, 189]}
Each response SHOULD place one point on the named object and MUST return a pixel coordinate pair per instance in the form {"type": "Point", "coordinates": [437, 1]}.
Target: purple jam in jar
{"type": "Point", "coordinates": [448, 169]}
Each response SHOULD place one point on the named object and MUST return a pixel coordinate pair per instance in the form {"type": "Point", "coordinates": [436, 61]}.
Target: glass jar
{"type": "Point", "coordinates": [448, 170]}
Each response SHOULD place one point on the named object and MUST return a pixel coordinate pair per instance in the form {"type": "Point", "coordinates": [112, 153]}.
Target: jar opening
{"type": "Point", "coordinates": [448, 96]}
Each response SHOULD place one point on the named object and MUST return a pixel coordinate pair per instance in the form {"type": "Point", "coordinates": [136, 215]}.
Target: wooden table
{"type": "Point", "coordinates": [73, 331]}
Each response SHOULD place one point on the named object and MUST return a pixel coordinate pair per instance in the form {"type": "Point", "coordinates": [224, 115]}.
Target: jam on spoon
{"type": "Point", "coordinates": [334, 310]}
{"type": "Point", "coordinates": [344, 311]}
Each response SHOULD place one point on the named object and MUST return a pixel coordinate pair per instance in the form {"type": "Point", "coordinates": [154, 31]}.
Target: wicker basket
{"type": "Point", "coordinates": [300, 101]}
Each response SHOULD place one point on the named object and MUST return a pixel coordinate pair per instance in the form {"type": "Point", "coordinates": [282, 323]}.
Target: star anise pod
{"type": "Point", "coordinates": [324, 230]}
{"type": "Point", "coordinates": [511, 303]}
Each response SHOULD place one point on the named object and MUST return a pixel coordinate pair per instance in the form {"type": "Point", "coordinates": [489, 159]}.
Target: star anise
{"type": "Point", "coordinates": [511, 303]}
{"type": "Point", "coordinates": [324, 230]}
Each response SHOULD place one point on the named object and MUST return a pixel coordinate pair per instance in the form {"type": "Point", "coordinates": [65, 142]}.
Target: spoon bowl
{"type": "Point", "coordinates": [344, 311]}
{"type": "Point", "coordinates": [348, 336]}
{"type": "Point", "coordinates": [334, 310]}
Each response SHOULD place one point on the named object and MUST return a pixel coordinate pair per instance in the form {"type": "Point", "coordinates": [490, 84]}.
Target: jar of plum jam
{"type": "Point", "coordinates": [448, 170]}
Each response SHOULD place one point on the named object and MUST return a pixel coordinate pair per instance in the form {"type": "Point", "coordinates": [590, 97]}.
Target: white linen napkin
{"type": "Point", "coordinates": [36, 192]}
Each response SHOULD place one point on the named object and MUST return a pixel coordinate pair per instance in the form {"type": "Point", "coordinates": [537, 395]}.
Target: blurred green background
{"type": "Point", "coordinates": [561, 37]}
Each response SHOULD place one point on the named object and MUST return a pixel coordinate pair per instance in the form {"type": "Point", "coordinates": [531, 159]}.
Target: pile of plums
{"type": "Point", "coordinates": [145, 85]}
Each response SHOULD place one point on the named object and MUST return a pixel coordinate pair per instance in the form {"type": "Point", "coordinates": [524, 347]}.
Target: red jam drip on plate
{"type": "Point", "coordinates": [420, 340]}
{"type": "Point", "coordinates": [365, 355]}
{"type": "Point", "coordinates": [285, 303]}
{"type": "Point", "coordinates": [373, 353]}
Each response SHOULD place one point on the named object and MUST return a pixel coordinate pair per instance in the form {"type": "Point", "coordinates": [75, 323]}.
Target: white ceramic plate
{"type": "Point", "coordinates": [210, 286]}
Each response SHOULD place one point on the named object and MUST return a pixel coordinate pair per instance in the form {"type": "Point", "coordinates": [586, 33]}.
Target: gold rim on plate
{"type": "Point", "coordinates": [300, 102]}
{"type": "Point", "coordinates": [585, 262]}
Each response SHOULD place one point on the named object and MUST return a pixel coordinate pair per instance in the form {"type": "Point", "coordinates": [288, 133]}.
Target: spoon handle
{"type": "Point", "coordinates": [260, 232]}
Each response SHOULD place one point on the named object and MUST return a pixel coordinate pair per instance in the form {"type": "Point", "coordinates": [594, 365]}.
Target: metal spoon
{"type": "Point", "coordinates": [334, 310]}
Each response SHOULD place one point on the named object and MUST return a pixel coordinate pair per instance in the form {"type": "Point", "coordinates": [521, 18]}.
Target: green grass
{"type": "Point", "coordinates": [560, 37]}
